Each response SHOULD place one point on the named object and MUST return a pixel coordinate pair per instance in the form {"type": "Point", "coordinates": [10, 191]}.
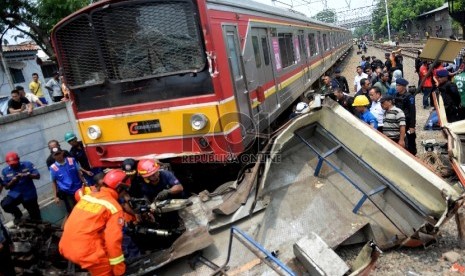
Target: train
{"type": "Point", "coordinates": [189, 80]}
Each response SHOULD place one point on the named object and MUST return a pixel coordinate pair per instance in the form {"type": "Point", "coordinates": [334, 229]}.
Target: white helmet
{"type": "Point", "coordinates": [302, 108]}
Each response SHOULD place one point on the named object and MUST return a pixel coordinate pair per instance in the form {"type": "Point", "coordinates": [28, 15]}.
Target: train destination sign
{"type": "Point", "coordinates": [143, 127]}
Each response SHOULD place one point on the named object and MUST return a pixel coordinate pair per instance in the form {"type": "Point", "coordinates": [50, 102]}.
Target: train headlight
{"type": "Point", "coordinates": [94, 132]}
{"type": "Point", "coordinates": [198, 121]}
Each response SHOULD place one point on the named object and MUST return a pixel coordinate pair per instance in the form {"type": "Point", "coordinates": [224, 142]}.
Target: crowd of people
{"type": "Point", "coordinates": [383, 98]}
{"type": "Point", "coordinates": [22, 101]}
{"type": "Point", "coordinates": [95, 199]}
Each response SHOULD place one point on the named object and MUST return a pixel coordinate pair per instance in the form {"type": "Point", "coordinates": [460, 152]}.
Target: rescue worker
{"type": "Point", "coordinates": [93, 234]}
{"type": "Point", "coordinates": [450, 95]}
{"type": "Point", "coordinates": [77, 151]}
{"type": "Point", "coordinates": [362, 104]}
{"type": "Point", "coordinates": [159, 184]}
{"type": "Point", "coordinates": [129, 166]}
{"type": "Point", "coordinates": [345, 100]}
{"type": "Point", "coordinates": [18, 180]}
{"type": "Point", "coordinates": [66, 178]}
{"type": "Point", "coordinates": [406, 102]}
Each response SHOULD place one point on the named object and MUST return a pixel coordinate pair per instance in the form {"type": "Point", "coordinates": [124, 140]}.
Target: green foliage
{"type": "Point", "coordinates": [362, 31]}
{"type": "Point", "coordinates": [400, 11]}
{"type": "Point", "coordinates": [36, 18]}
{"type": "Point", "coordinates": [328, 16]}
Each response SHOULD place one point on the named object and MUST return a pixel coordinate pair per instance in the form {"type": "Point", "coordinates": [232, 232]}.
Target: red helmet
{"type": "Point", "coordinates": [12, 158]}
{"type": "Point", "coordinates": [115, 178]}
{"type": "Point", "coordinates": [147, 167]}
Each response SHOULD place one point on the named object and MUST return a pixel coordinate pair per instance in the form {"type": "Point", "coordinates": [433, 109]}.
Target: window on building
{"type": "Point", "coordinates": [312, 41]}
{"type": "Point", "coordinates": [17, 75]}
{"type": "Point", "coordinates": [286, 49]}
{"type": "Point", "coordinates": [48, 70]}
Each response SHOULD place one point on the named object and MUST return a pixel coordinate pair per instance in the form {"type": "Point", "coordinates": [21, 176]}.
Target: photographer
{"type": "Point", "coordinates": [18, 180]}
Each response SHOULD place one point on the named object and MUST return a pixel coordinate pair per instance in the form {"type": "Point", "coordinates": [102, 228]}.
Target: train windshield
{"type": "Point", "coordinates": [130, 40]}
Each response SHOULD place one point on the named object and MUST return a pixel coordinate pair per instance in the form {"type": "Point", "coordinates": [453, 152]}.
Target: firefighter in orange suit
{"type": "Point", "coordinates": [93, 233]}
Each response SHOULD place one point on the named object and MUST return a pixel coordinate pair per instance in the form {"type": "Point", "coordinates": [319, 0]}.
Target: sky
{"type": "Point", "coordinates": [312, 7]}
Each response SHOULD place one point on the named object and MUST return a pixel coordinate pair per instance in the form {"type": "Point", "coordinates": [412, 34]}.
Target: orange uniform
{"type": "Point", "coordinates": [93, 234]}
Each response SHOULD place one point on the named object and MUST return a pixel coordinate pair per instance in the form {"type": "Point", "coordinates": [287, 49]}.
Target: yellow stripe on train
{"type": "Point", "coordinates": [169, 122]}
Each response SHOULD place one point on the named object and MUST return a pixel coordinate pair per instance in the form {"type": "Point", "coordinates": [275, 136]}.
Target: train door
{"type": "Point", "coordinates": [237, 75]}
{"type": "Point", "coordinates": [321, 51]}
{"type": "Point", "coordinates": [305, 53]}
{"type": "Point", "coordinates": [265, 76]}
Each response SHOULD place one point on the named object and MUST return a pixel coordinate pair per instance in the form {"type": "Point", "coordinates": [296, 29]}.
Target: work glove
{"type": "Point", "coordinates": [163, 194]}
{"type": "Point", "coordinates": [119, 269]}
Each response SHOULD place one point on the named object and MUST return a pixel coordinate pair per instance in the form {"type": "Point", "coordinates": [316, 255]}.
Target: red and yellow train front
{"type": "Point", "coordinates": [143, 84]}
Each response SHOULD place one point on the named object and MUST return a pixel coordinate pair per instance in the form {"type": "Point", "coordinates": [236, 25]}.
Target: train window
{"type": "Point", "coordinates": [301, 43]}
{"type": "Point", "coordinates": [325, 42]}
{"type": "Point", "coordinates": [313, 49]}
{"type": "Point", "coordinates": [266, 51]}
{"type": "Point", "coordinates": [286, 49]}
{"type": "Point", "coordinates": [256, 51]}
{"type": "Point", "coordinates": [233, 54]}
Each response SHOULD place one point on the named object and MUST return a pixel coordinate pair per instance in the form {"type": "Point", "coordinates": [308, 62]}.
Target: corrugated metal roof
{"type": "Point", "coordinates": [444, 6]}
{"type": "Point", "coordinates": [20, 47]}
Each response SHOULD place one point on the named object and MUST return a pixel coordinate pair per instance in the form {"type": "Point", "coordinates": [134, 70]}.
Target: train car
{"type": "Point", "coordinates": [189, 80]}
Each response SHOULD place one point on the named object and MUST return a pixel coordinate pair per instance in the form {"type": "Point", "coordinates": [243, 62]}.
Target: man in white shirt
{"type": "Point", "coordinates": [33, 99]}
{"type": "Point", "coordinates": [54, 88]}
{"type": "Point", "coordinates": [360, 75]}
{"type": "Point", "coordinates": [376, 109]}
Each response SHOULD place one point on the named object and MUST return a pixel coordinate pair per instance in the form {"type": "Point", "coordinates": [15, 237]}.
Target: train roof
{"type": "Point", "coordinates": [275, 11]}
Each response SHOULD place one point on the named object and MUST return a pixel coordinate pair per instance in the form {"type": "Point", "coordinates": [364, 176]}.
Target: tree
{"type": "Point", "coordinates": [328, 16]}
{"type": "Point", "coordinates": [36, 18]}
{"type": "Point", "coordinates": [400, 11]}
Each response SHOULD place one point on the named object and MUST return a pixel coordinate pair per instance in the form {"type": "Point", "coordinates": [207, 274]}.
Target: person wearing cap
{"type": "Point", "coordinates": [36, 88]}
{"type": "Point", "coordinates": [341, 80]}
{"type": "Point", "coordinates": [77, 151]}
{"type": "Point", "coordinates": [54, 144]}
{"type": "Point", "coordinates": [344, 100]}
{"type": "Point", "coordinates": [93, 233]}
{"type": "Point", "coordinates": [129, 166]}
{"type": "Point", "coordinates": [393, 121]}
{"type": "Point", "coordinates": [158, 184]}
{"type": "Point", "coordinates": [361, 104]}
{"type": "Point", "coordinates": [33, 99]}
{"type": "Point", "coordinates": [406, 102]}
{"type": "Point", "coordinates": [18, 104]}
{"type": "Point", "coordinates": [300, 108]}
{"type": "Point", "coordinates": [18, 179]}
{"type": "Point", "coordinates": [54, 88]}
{"type": "Point", "coordinates": [450, 96]}
{"type": "Point", "coordinates": [66, 177]}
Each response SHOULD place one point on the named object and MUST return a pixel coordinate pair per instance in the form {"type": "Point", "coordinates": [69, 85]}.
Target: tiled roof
{"type": "Point", "coordinates": [20, 47]}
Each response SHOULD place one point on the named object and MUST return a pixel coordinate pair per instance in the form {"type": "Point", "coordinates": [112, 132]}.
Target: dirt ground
{"type": "Point", "coordinates": [414, 261]}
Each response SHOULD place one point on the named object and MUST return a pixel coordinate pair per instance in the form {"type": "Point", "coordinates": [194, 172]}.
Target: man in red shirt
{"type": "Point", "coordinates": [426, 83]}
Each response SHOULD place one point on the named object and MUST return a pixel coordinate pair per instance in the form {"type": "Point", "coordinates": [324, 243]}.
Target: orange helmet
{"type": "Point", "coordinates": [115, 178]}
{"type": "Point", "coordinates": [12, 158]}
{"type": "Point", "coordinates": [83, 191]}
{"type": "Point", "coordinates": [147, 167]}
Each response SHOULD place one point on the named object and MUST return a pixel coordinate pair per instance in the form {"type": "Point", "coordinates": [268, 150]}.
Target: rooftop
{"type": "Point", "coordinates": [444, 6]}
{"type": "Point", "coordinates": [27, 46]}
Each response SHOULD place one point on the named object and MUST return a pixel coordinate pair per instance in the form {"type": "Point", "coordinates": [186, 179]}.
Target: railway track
{"type": "Point", "coordinates": [408, 50]}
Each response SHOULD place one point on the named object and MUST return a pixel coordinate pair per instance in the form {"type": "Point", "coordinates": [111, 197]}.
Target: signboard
{"type": "Point", "coordinates": [277, 55]}
{"type": "Point", "coordinates": [143, 127]}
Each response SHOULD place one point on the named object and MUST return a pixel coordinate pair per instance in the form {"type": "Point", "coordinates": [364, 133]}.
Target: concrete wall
{"type": "Point", "coordinates": [429, 23]}
{"type": "Point", "coordinates": [29, 135]}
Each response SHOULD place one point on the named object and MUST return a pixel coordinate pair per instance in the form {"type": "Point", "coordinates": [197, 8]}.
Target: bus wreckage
{"type": "Point", "coordinates": [324, 181]}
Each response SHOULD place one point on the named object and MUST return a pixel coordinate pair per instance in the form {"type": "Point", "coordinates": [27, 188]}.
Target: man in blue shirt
{"type": "Point", "coordinates": [159, 184]}
{"type": "Point", "coordinates": [66, 177]}
{"type": "Point", "coordinates": [18, 180]}
{"type": "Point", "coordinates": [361, 104]}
